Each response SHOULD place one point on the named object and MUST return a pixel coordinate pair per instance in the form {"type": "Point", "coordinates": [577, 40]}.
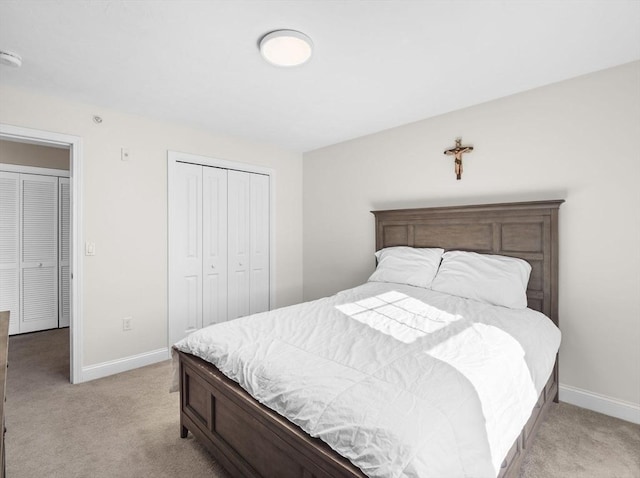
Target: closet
{"type": "Point", "coordinates": [34, 251]}
{"type": "Point", "coordinates": [218, 246]}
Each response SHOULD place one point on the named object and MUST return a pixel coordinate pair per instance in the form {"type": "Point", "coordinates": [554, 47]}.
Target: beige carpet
{"type": "Point", "coordinates": [105, 428]}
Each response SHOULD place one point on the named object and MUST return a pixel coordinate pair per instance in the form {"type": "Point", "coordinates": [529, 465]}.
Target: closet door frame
{"type": "Point", "coordinates": [74, 143]}
{"type": "Point", "coordinates": [174, 157]}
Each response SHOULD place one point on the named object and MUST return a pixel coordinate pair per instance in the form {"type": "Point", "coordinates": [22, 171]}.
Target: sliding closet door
{"type": "Point", "coordinates": [185, 260]}
{"type": "Point", "coordinates": [64, 196]}
{"type": "Point", "coordinates": [39, 253]}
{"type": "Point", "coordinates": [214, 240]}
{"type": "Point", "coordinates": [239, 198]}
{"type": "Point", "coordinates": [10, 248]}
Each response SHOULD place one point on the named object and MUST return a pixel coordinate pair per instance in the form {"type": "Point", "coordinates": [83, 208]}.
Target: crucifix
{"type": "Point", "coordinates": [457, 153]}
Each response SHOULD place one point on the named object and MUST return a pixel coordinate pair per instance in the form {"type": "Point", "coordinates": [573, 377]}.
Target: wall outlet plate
{"type": "Point", "coordinates": [126, 324]}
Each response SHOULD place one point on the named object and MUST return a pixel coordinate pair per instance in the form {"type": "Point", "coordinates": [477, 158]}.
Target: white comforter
{"type": "Point", "coordinates": [402, 381]}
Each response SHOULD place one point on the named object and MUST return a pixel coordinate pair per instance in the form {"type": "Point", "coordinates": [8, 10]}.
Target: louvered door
{"type": "Point", "coordinates": [39, 253]}
{"type": "Point", "coordinates": [10, 247]}
{"type": "Point", "coordinates": [64, 310]}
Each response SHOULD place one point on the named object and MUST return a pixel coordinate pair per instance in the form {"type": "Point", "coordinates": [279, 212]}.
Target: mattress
{"type": "Point", "coordinates": [400, 380]}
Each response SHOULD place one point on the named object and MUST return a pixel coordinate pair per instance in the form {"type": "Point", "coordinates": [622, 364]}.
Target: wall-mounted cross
{"type": "Point", "coordinates": [457, 153]}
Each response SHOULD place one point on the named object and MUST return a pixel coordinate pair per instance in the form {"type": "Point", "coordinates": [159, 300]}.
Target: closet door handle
{"type": "Point", "coordinates": [40, 265]}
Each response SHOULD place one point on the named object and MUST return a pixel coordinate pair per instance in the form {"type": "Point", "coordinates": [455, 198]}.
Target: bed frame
{"type": "Point", "coordinates": [250, 440]}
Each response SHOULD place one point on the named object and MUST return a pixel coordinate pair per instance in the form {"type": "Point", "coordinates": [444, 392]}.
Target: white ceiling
{"type": "Point", "coordinates": [376, 64]}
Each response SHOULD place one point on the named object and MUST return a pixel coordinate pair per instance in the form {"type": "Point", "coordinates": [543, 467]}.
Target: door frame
{"type": "Point", "coordinates": [174, 157]}
{"type": "Point", "coordinates": [74, 143]}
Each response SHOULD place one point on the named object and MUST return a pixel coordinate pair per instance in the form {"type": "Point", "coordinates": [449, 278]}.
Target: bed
{"type": "Point", "coordinates": [250, 439]}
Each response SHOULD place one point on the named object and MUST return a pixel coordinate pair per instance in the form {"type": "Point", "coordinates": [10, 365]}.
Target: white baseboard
{"type": "Point", "coordinates": [112, 367]}
{"type": "Point", "coordinates": [600, 403]}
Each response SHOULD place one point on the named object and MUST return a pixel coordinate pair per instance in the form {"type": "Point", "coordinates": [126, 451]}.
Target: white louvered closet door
{"type": "Point", "coordinates": [64, 194]}
{"type": "Point", "coordinates": [10, 248]}
{"type": "Point", "coordinates": [39, 253]}
{"type": "Point", "coordinates": [185, 219]}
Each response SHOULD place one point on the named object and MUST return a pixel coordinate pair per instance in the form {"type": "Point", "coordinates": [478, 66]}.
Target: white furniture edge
{"type": "Point", "coordinates": [124, 364]}
{"type": "Point", "coordinates": [48, 138]}
{"type": "Point", "coordinates": [600, 403]}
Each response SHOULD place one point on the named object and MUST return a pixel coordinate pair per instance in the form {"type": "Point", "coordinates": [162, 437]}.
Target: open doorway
{"type": "Point", "coordinates": [52, 179]}
{"type": "Point", "coordinates": [34, 239]}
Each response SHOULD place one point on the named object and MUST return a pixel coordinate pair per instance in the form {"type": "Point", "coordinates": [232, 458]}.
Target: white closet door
{"type": "Point", "coordinates": [259, 244]}
{"type": "Point", "coordinates": [39, 253]}
{"type": "Point", "coordinates": [10, 248]}
{"type": "Point", "coordinates": [219, 222]}
{"type": "Point", "coordinates": [64, 309]}
{"type": "Point", "coordinates": [214, 240]}
{"type": "Point", "coordinates": [239, 223]}
{"type": "Point", "coordinates": [185, 261]}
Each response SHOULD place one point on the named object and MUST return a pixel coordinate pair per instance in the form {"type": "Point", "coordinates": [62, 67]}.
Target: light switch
{"type": "Point", "coordinates": [125, 154]}
{"type": "Point", "coordinates": [90, 249]}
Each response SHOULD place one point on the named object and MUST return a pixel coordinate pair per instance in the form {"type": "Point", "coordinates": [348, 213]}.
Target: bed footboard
{"type": "Point", "coordinates": [251, 440]}
{"type": "Point", "coordinates": [247, 438]}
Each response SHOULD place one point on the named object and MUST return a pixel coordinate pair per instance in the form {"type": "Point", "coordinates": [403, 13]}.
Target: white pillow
{"type": "Point", "coordinates": [407, 265]}
{"type": "Point", "coordinates": [496, 280]}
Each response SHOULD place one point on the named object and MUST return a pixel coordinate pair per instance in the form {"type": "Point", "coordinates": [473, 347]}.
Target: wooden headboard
{"type": "Point", "coordinates": [528, 230]}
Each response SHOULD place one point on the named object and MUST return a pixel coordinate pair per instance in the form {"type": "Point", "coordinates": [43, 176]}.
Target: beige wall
{"type": "Point", "coordinates": [24, 154]}
{"type": "Point", "coordinates": [578, 140]}
{"type": "Point", "coordinates": [125, 214]}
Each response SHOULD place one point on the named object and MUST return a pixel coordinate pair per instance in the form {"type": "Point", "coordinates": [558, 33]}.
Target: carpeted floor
{"type": "Point", "coordinates": [105, 428]}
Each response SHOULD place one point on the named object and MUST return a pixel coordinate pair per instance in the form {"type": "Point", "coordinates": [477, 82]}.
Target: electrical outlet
{"type": "Point", "coordinates": [126, 324]}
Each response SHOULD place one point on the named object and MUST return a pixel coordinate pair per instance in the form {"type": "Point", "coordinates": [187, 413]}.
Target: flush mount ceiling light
{"type": "Point", "coordinates": [9, 58]}
{"type": "Point", "coordinates": [286, 48]}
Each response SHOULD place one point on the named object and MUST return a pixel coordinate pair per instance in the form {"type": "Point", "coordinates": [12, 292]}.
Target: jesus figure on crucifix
{"type": "Point", "coordinates": [457, 153]}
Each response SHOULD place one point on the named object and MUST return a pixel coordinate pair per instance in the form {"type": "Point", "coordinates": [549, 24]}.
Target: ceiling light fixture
{"type": "Point", "coordinates": [9, 58]}
{"type": "Point", "coordinates": [286, 48]}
